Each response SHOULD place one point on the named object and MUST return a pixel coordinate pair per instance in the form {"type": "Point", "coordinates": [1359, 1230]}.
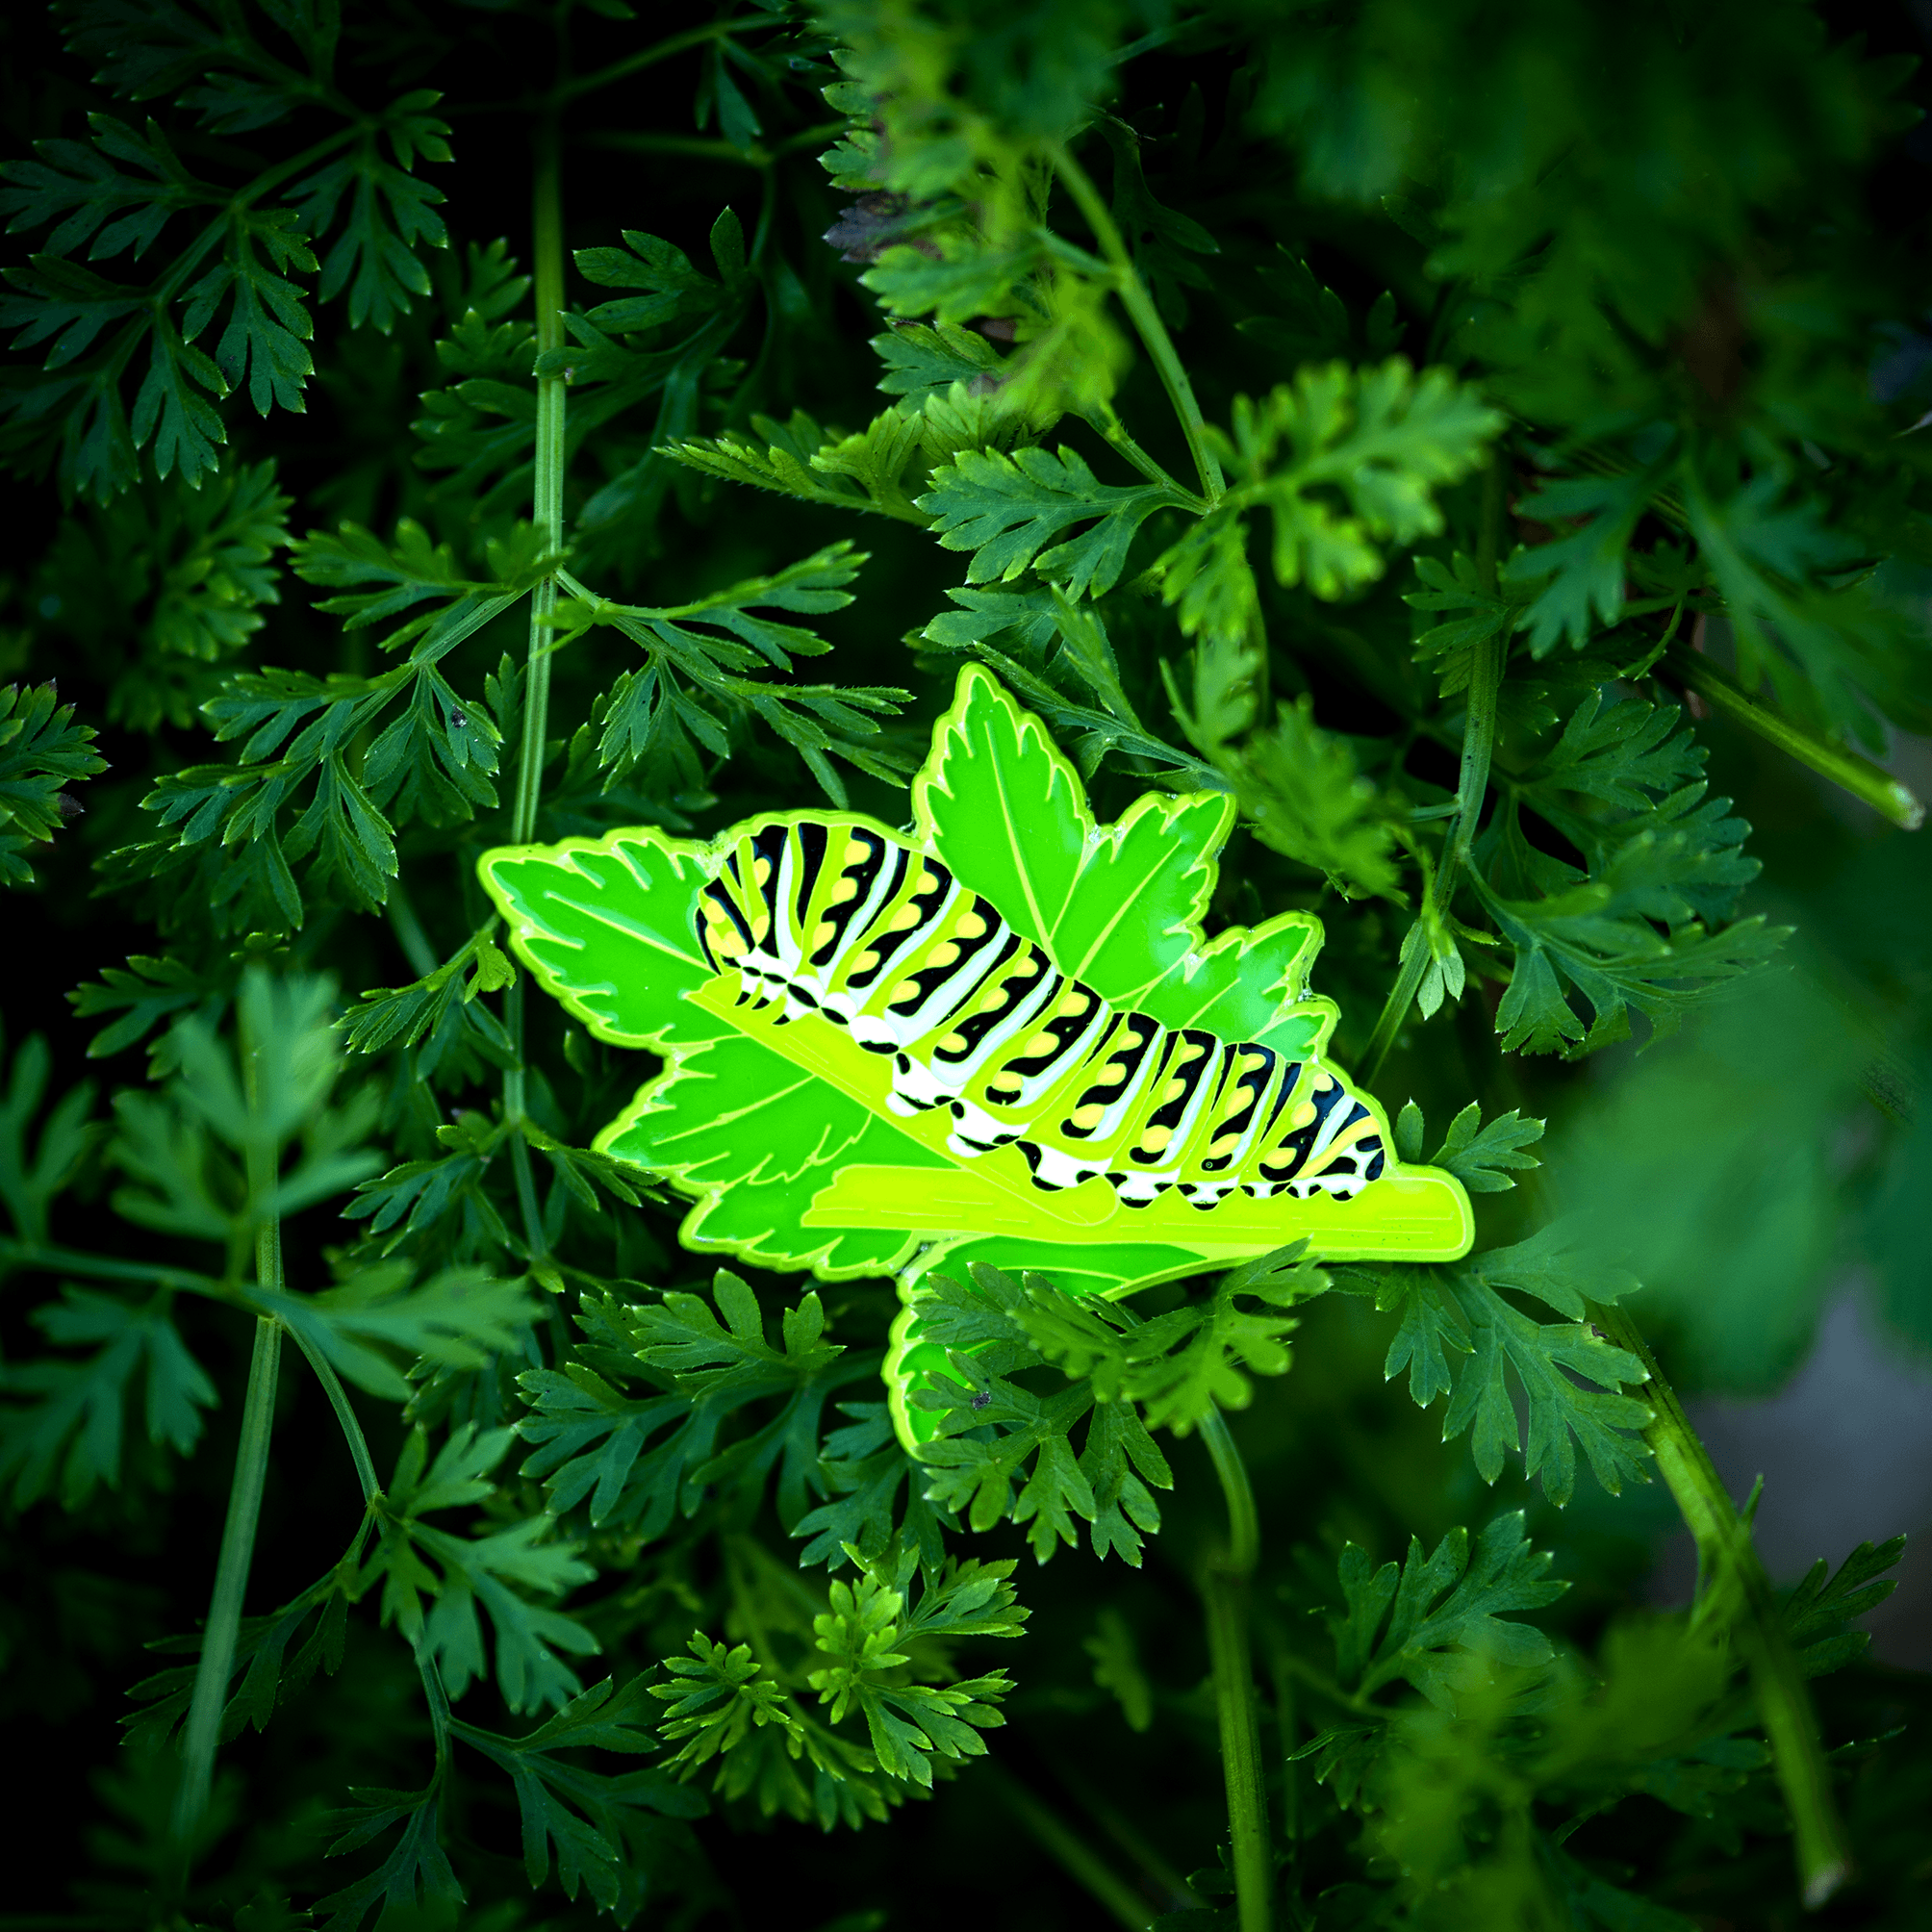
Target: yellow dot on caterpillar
{"type": "Point", "coordinates": [1075, 1003]}
{"type": "Point", "coordinates": [1173, 1090]}
{"type": "Point", "coordinates": [846, 888]}
{"type": "Point", "coordinates": [865, 962]}
{"type": "Point", "coordinates": [1155, 1140]}
{"type": "Point", "coordinates": [952, 1043]}
{"type": "Point", "coordinates": [905, 919]}
{"type": "Point", "coordinates": [1040, 1043]}
{"type": "Point", "coordinates": [943, 954]}
{"type": "Point", "coordinates": [969, 925]}
{"type": "Point", "coordinates": [727, 946]}
{"type": "Point", "coordinates": [761, 870]}
{"type": "Point", "coordinates": [1303, 1115]}
{"type": "Point", "coordinates": [1227, 1144]}
{"type": "Point", "coordinates": [761, 926]}
{"type": "Point", "coordinates": [995, 999]}
{"type": "Point", "coordinates": [856, 852]}
{"type": "Point", "coordinates": [929, 879]}
{"type": "Point", "coordinates": [1191, 1052]}
{"type": "Point", "coordinates": [1086, 1118]}
{"type": "Point", "coordinates": [906, 993]}
{"type": "Point", "coordinates": [1254, 1059]}
{"type": "Point", "coordinates": [1111, 1075]}
{"type": "Point", "coordinates": [1003, 1083]}
{"type": "Point", "coordinates": [1323, 1081]}
{"type": "Point", "coordinates": [1279, 1157]}
{"type": "Point", "coordinates": [822, 933]}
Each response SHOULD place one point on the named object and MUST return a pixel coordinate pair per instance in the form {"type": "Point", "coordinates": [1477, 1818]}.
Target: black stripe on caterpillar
{"type": "Point", "coordinates": [884, 942]}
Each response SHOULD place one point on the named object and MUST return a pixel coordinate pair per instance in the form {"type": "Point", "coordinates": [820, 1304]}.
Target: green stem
{"type": "Point", "coordinates": [106, 1268]}
{"type": "Point", "coordinates": [548, 514]}
{"type": "Point", "coordinates": [1070, 1851]}
{"type": "Point", "coordinates": [203, 1730]}
{"type": "Point", "coordinates": [1472, 783]}
{"type": "Point", "coordinates": [1287, 1724]}
{"type": "Point", "coordinates": [1104, 418]}
{"type": "Point", "coordinates": [1872, 783]}
{"type": "Point", "coordinates": [1147, 323]}
{"type": "Point", "coordinates": [1737, 1587]}
{"type": "Point", "coordinates": [409, 932]}
{"type": "Point", "coordinates": [351, 1425]}
{"type": "Point", "coordinates": [548, 489]}
{"type": "Point", "coordinates": [636, 63]}
{"type": "Point", "coordinates": [1224, 1588]}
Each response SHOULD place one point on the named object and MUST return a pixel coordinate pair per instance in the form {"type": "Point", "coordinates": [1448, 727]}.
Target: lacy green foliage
{"type": "Point", "coordinates": [694, 688]}
{"type": "Point", "coordinates": [671, 1370]}
{"type": "Point", "coordinates": [600, 1827]}
{"type": "Point", "coordinates": [42, 750]}
{"type": "Point", "coordinates": [348, 211]}
{"type": "Point", "coordinates": [1119, 1375]}
{"type": "Point", "coordinates": [1460, 1336]}
{"type": "Point", "coordinates": [1383, 440]}
{"type": "Point", "coordinates": [1108, 1484]}
{"type": "Point", "coordinates": [1584, 316]}
{"type": "Point", "coordinates": [1473, 1795]}
{"type": "Point", "coordinates": [877, 1652]}
{"type": "Point", "coordinates": [160, 586]}
{"type": "Point", "coordinates": [1427, 1621]}
{"type": "Point", "coordinates": [463, 1576]}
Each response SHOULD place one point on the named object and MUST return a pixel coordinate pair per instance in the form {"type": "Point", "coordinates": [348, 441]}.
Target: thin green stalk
{"type": "Point", "coordinates": [203, 1730]}
{"type": "Point", "coordinates": [352, 1424]}
{"type": "Point", "coordinates": [635, 64]}
{"type": "Point", "coordinates": [1288, 1723]}
{"type": "Point", "coordinates": [1737, 1588]}
{"type": "Point", "coordinates": [409, 932]}
{"type": "Point", "coordinates": [106, 1268]}
{"type": "Point", "coordinates": [548, 514]}
{"type": "Point", "coordinates": [1865, 782]}
{"type": "Point", "coordinates": [1070, 1851]}
{"type": "Point", "coordinates": [1123, 1831]}
{"type": "Point", "coordinates": [548, 485]}
{"type": "Point", "coordinates": [1146, 320]}
{"type": "Point", "coordinates": [1472, 784]}
{"type": "Point", "coordinates": [1224, 1588]}
{"type": "Point", "coordinates": [1105, 419]}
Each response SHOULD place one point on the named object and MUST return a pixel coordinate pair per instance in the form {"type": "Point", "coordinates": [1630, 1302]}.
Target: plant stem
{"type": "Point", "coordinates": [1472, 783]}
{"type": "Point", "coordinates": [548, 489]}
{"type": "Point", "coordinates": [1287, 1724]}
{"type": "Point", "coordinates": [339, 1401]}
{"type": "Point", "coordinates": [1871, 783]}
{"type": "Point", "coordinates": [1737, 1588]}
{"type": "Point", "coordinates": [1072, 1852]}
{"type": "Point", "coordinates": [1223, 1586]}
{"type": "Point", "coordinates": [636, 63]}
{"type": "Point", "coordinates": [201, 1735]}
{"type": "Point", "coordinates": [203, 1730]}
{"type": "Point", "coordinates": [548, 514]}
{"type": "Point", "coordinates": [1147, 323]}
{"type": "Point", "coordinates": [409, 932]}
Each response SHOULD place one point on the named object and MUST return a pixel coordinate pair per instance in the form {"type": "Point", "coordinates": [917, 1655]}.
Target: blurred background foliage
{"type": "Point", "coordinates": [838, 281]}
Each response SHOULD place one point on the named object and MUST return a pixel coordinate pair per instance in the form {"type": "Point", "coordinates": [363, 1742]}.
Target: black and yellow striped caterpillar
{"type": "Point", "coordinates": [883, 941]}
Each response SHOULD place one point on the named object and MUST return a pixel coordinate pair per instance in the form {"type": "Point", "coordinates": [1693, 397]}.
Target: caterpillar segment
{"type": "Point", "coordinates": [886, 942]}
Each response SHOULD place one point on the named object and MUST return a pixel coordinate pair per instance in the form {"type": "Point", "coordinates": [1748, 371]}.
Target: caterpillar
{"type": "Point", "coordinates": [885, 942]}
